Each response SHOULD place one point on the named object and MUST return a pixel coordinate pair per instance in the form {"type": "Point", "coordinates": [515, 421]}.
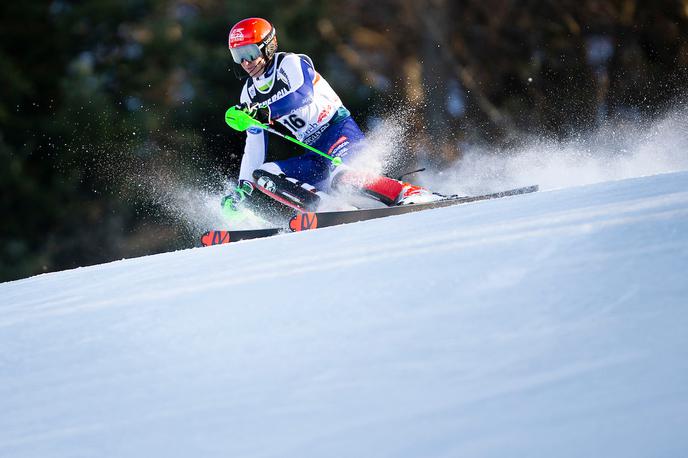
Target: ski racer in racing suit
{"type": "Point", "coordinates": [284, 90]}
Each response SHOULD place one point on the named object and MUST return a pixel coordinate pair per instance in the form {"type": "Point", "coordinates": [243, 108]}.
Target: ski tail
{"type": "Point", "coordinates": [220, 237]}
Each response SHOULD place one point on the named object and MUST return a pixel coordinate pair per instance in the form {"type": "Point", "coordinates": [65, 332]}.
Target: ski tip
{"type": "Point", "coordinates": [303, 222]}
{"type": "Point", "coordinates": [215, 238]}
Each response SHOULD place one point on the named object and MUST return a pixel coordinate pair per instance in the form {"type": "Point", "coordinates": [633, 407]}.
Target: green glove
{"type": "Point", "coordinates": [231, 204]}
{"type": "Point", "coordinates": [241, 117]}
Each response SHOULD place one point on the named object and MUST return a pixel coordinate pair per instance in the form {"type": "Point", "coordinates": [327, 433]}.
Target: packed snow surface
{"type": "Point", "coordinates": [549, 324]}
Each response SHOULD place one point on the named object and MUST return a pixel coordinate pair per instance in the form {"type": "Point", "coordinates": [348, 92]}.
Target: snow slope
{"type": "Point", "coordinates": [551, 324]}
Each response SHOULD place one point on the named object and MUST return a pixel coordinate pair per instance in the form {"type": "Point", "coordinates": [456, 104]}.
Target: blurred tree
{"type": "Point", "coordinates": [107, 108]}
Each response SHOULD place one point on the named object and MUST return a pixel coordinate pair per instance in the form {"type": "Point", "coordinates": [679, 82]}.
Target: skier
{"type": "Point", "coordinates": [285, 91]}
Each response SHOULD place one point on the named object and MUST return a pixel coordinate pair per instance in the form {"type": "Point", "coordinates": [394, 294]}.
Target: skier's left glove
{"type": "Point", "coordinates": [261, 114]}
{"type": "Point", "coordinates": [231, 204]}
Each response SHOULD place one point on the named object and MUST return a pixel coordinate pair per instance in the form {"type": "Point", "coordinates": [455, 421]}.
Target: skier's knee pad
{"type": "Point", "coordinates": [302, 195]}
{"type": "Point", "coordinates": [381, 188]}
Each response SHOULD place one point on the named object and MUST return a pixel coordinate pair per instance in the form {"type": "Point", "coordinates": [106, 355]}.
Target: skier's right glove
{"type": "Point", "coordinates": [261, 114]}
{"type": "Point", "coordinates": [231, 204]}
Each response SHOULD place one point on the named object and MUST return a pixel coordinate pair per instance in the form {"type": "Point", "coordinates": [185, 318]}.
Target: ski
{"type": "Point", "coordinates": [302, 221]}
{"type": "Point", "coordinates": [314, 220]}
{"type": "Point", "coordinates": [219, 237]}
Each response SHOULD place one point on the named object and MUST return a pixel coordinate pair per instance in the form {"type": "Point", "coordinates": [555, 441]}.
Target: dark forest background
{"type": "Point", "coordinates": [97, 95]}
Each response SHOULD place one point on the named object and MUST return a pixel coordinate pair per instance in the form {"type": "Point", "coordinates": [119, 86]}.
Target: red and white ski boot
{"type": "Point", "coordinates": [412, 194]}
{"type": "Point", "coordinates": [387, 190]}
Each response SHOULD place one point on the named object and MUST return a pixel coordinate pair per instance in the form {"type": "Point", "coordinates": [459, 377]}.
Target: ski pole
{"type": "Point", "coordinates": [241, 121]}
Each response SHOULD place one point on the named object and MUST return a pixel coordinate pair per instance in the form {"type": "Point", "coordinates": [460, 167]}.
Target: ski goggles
{"type": "Point", "coordinates": [246, 52]}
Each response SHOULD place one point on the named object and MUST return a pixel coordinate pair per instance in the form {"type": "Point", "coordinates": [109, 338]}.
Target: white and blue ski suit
{"type": "Point", "coordinates": [302, 101]}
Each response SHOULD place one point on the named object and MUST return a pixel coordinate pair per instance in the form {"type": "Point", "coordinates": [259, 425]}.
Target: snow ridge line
{"type": "Point", "coordinates": [576, 223]}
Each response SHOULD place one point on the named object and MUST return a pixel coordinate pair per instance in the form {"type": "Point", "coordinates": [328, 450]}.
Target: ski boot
{"type": "Point", "coordinates": [412, 194]}
{"type": "Point", "coordinates": [387, 190]}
